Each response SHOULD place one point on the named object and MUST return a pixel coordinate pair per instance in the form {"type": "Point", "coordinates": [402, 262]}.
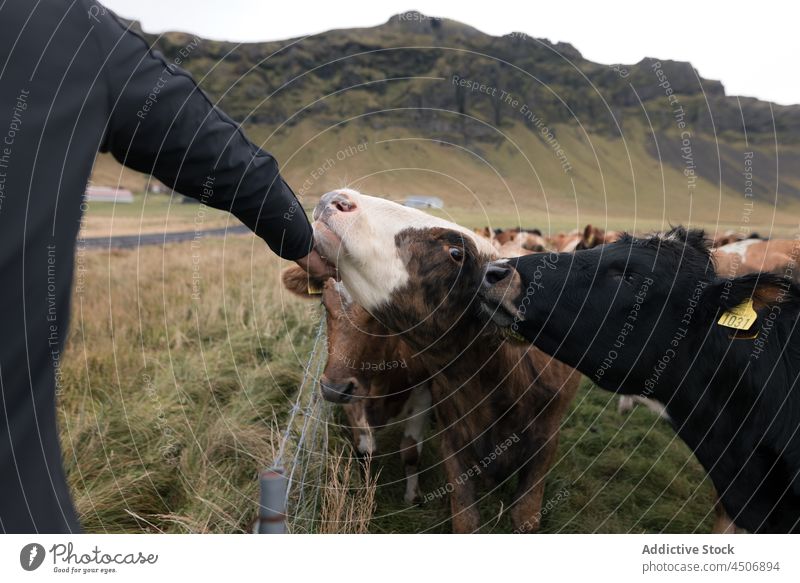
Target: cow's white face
{"type": "Point", "coordinates": [359, 233]}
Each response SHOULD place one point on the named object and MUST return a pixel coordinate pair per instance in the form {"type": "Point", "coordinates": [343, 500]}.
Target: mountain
{"type": "Point", "coordinates": [503, 129]}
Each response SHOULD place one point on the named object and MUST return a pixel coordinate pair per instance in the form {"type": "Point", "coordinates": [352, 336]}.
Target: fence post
{"type": "Point", "coordinates": [272, 510]}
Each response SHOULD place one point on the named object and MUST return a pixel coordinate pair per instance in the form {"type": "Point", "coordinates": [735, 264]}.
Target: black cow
{"type": "Point", "coordinates": [645, 316]}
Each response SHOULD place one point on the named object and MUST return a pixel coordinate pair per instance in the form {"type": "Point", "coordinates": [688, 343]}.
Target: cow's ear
{"type": "Point", "coordinates": [300, 283]}
{"type": "Point", "coordinates": [765, 289]}
{"type": "Point", "coordinates": [589, 236]}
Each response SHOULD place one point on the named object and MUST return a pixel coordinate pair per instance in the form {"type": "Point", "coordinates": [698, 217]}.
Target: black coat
{"type": "Point", "coordinates": [75, 80]}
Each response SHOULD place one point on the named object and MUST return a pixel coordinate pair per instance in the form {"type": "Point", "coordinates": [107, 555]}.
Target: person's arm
{"type": "Point", "coordinates": [163, 124]}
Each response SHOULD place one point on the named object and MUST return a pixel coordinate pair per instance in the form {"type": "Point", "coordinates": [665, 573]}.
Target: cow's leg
{"type": "Point", "coordinates": [363, 436]}
{"type": "Point", "coordinates": [655, 406]}
{"type": "Point", "coordinates": [413, 434]}
{"type": "Point", "coordinates": [463, 510]}
{"type": "Point", "coordinates": [526, 514]}
{"type": "Point", "coordinates": [624, 404]}
{"type": "Point", "coordinates": [409, 453]}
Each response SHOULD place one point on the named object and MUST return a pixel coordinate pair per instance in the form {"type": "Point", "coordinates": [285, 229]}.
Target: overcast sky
{"type": "Point", "coordinates": [751, 46]}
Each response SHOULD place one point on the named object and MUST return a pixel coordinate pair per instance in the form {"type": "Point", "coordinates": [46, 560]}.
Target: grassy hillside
{"type": "Point", "coordinates": [172, 405]}
{"type": "Point", "coordinates": [506, 130]}
{"type": "Point", "coordinates": [614, 181]}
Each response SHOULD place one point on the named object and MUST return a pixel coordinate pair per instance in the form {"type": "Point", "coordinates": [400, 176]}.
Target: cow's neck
{"type": "Point", "coordinates": [733, 416]}
{"type": "Point", "coordinates": [483, 362]}
{"type": "Point", "coordinates": [446, 334]}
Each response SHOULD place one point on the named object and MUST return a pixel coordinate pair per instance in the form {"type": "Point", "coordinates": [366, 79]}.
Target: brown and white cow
{"type": "Point", "coordinates": [731, 236]}
{"type": "Point", "coordinates": [498, 405]}
{"type": "Point", "coordinates": [728, 237]}
{"type": "Point", "coordinates": [757, 255]}
{"type": "Point", "coordinates": [531, 241]}
{"type": "Point", "coordinates": [505, 236]}
{"type": "Point", "coordinates": [589, 238]}
{"type": "Point", "coordinates": [485, 232]}
{"type": "Point", "coordinates": [566, 242]}
{"type": "Point", "coordinates": [527, 240]}
{"type": "Point", "coordinates": [372, 374]}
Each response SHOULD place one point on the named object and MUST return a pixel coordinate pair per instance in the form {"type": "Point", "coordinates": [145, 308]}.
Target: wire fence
{"type": "Point", "coordinates": [292, 487]}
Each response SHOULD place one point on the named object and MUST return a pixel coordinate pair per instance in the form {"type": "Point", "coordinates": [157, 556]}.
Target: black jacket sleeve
{"type": "Point", "coordinates": [163, 124]}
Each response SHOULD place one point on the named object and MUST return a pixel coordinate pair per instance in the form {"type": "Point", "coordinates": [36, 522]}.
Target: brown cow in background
{"type": "Point", "coordinates": [755, 255]}
{"type": "Point", "coordinates": [588, 239]}
{"type": "Point", "coordinates": [595, 236]}
{"type": "Point", "coordinates": [527, 240]}
{"type": "Point", "coordinates": [566, 242]}
{"type": "Point", "coordinates": [731, 236]}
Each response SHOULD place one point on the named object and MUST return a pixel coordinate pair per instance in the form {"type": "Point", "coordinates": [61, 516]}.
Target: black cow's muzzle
{"type": "Point", "coordinates": [495, 273]}
{"type": "Point", "coordinates": [500, 291]}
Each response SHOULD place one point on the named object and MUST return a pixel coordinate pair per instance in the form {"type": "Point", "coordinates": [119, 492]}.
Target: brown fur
{"type": "Point", "coordinates": [774, 255]}
{"type": "Point", "coordinates": [727, 238]}
{"type": "Point", "coordinates": [298, 281]}
{"type": "Point", "coordinates": [487, 390]}
{"type": "Point", "coordinates": [511, 241]}
{"type": "Point", "coordinates": [533, 242]}
{"type": "Point", "coordinates": [565, 241]}
{"type": "Point", "coordinates": [590, 238]}
{"type": "Point", "coordinates": [594, 237]}
{"type": "Point", "coordinates": [357, 347]}
{"type": "Point", "coordinates": [506, 236]}
{"type": "Point", "coordinates": [485, 232]}
{"type": "Point", "coordinates": [731, 236]}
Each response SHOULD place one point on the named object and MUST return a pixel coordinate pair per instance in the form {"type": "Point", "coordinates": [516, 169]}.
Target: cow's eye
{"type": "Point", "coordinates": [627, 276]}
{"type": "Point", "coordinates": [456, 253]}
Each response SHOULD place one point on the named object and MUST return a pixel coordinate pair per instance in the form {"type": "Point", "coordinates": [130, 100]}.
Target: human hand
{"type": "Point", "coordinates": [317, 266]}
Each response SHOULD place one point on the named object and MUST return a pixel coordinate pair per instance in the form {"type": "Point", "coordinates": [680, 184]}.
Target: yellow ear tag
{"type": "Point", "coordinates": [313, 290]}
{"type": "Point", "coordinates": [741, 317]}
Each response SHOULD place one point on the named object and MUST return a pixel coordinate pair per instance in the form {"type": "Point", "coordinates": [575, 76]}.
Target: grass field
{"type": "Point", "coordinates": [173, 403]}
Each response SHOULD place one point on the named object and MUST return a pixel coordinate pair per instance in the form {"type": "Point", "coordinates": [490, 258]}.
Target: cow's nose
{"type": "Point", "coordinates": [334, 201]}
{"type": "Point", "coordinates": [495, 273]}
{"type": "Point", "coordinates": [340, 392]}
{"type": "Point", "coordinates": [341, 201]}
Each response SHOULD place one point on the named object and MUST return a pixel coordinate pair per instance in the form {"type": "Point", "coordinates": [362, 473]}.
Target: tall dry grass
{"type": "Point", "coordinates": [180, 368]}
{"type": "Point", "coordinates": [349, 497]}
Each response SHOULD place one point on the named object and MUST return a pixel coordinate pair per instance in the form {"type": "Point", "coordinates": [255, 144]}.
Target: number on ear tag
{"type": "Point", "coordinates": [741, 317]}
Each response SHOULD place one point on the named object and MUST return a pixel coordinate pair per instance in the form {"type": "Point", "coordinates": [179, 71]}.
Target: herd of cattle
{"type": "Point", "coordinates": [429, 320]}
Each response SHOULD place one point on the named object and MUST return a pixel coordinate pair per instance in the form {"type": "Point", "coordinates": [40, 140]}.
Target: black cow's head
{"type": "Point", "coordinates": [628, 314]}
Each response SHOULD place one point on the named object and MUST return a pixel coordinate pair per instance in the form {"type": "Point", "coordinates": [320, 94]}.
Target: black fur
{"type": "Point", "coordinates": [734, 400]}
